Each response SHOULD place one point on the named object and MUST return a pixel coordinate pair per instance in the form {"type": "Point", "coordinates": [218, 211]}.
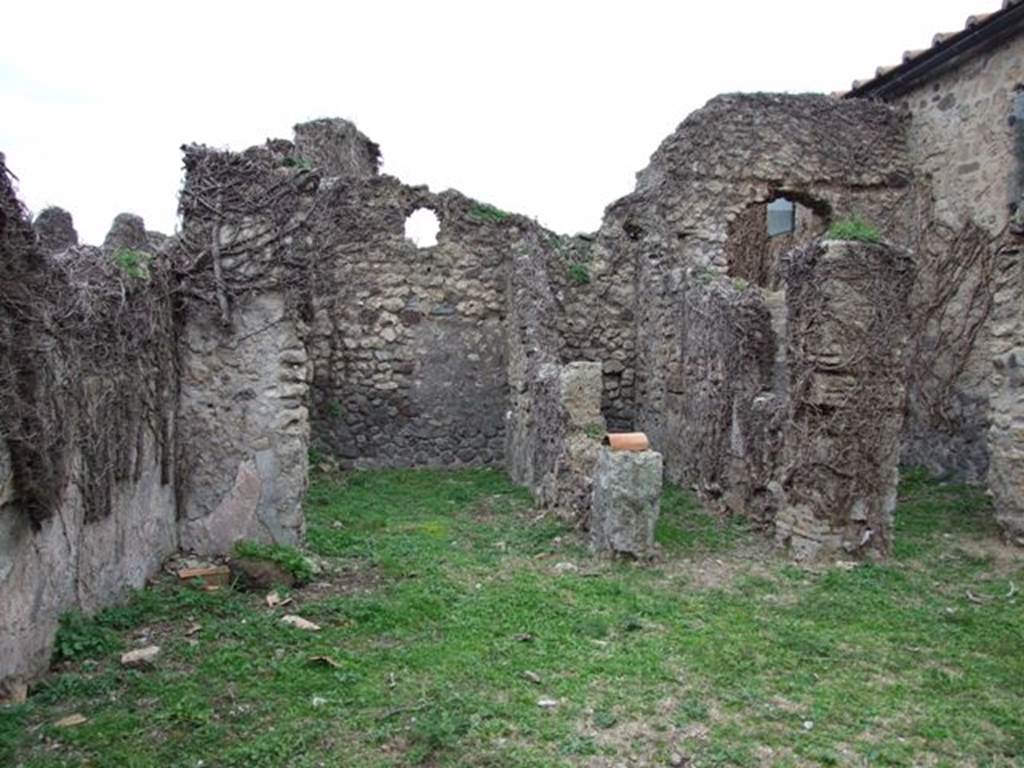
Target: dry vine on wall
{"type": "Point", "coordinates": [86, 366]}
{"type": "Point", "coordinates": [848, 318]}
{"type": "Point", "coordinates": [951, 304]}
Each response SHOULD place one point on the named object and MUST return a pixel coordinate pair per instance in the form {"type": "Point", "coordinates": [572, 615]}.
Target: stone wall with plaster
{"type": "Point", "coordinates": [409, 344]}
{"type": "Point", "coordinates": [243, 427]}
{"type": "Point", "coordinates": [106, 518]}
{"type": "Point", "coordinates": [71, 563]}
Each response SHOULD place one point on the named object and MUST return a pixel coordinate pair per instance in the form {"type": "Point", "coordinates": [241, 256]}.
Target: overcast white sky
{"type": "Point", "coordinates": [545, 108]}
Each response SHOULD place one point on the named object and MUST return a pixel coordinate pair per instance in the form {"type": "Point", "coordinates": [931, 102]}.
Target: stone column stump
{"type": "Point", "coordinates": [626, 503]}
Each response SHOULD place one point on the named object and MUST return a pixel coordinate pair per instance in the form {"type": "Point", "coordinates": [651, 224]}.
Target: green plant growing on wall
{"type": "Point", "coordinates": [594, 431]}
{"type": "Point", "coordinates": [854, 228]}
{"type": "Point", "coordinates": [133, 263]}
{"type": "Point", "coordinates": [298, 162]}
{"type": "Point", "coordinates": [333, 409]}
{"type": "Point", "coordinates": [488, 213]}
{"type": "Point", "coordinates": [579, 273]}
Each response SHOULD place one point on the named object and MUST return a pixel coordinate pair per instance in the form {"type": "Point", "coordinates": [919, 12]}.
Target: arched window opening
{"type": "Point", "coordinates": [765, 231]}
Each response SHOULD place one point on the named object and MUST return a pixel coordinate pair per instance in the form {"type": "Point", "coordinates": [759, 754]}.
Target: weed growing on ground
{"type": "Point", "coordinates": [80, 638]}
{"type": "Point", "coordinates": [288, 558]}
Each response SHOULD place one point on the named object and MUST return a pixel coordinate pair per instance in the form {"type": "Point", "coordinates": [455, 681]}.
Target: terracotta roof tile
{"type": "Point", "coordinates": [938, 40]}
{"type": "Point", "coordinates": [911, 55]}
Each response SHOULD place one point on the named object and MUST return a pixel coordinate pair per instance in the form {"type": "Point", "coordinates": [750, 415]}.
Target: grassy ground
{"type": "Point", "coordinates": [449, 611]}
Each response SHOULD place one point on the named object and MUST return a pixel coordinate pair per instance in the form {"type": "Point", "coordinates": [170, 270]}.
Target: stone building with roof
{"type": "Point", "coordinates": [964, 96]}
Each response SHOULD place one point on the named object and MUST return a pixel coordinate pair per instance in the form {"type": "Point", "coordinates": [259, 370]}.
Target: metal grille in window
{"type": "Point", "coordinates": [781, 217]}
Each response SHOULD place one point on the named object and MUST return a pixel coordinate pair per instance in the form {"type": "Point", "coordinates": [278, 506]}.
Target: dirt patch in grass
{"type": "Point", "coordinates": [341, 581]}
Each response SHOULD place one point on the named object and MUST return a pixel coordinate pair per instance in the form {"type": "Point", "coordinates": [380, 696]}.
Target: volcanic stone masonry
{"type": "Point", "coordinates": [291, 314]}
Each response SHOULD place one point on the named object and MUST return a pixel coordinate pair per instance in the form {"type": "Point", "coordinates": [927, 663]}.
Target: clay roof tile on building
{"type": "Point", "coordinates": [976, 23]}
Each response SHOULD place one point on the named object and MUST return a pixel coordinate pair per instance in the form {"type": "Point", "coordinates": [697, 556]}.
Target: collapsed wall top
{"type": "Point", "coordinates": [337, 148]}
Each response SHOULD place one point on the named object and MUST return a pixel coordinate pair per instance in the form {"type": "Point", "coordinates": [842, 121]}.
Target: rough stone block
{"type": "Point", "coordinates": [580, 386]}
{"type": "Point", "coordinates": [626, 503]}
{"type": "Point", "coordinates": [337, 148]}
{"type": "Point", "coordinates": [55, 230]}
{"type": "Point", "coordinates": [140, 658]}
{"type": "Point", "coordinates": [128, 231]}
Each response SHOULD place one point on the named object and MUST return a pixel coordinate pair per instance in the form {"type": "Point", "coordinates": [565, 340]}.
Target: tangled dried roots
{"type": "Point", "coordinates": [86, 367]}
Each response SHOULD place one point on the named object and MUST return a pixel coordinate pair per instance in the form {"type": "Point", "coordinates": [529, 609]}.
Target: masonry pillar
{"type": "Point", "coordinates": [847, 330]}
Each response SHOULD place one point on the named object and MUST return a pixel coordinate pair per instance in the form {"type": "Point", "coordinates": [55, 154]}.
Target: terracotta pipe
{"type": "Point", "coordinates": [627, 441]}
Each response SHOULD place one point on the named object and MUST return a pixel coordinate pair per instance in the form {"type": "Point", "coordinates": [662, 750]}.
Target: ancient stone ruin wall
{"type": "Point", "coordinates": [697, 296]}
{"type": "Point", "coordinates": [243, 411]}
{"type": "Point", "coordinates": [152, 396]}
{"type": "Point", "coordinates": [724, 394]}
{"type": "Point", "coordinates": [592, 279]}
{"type": "Point", "coordinates": [1006, 433]}
{"type": "Point", "coordinates": [87, 499]}
{"type": "Point", "coordinates": [291, 312]}
{"type": "Point", "coordinates": [964, 142]}
{"type": "Point", "coordinates": [532, 436]}
{"type": "Point", "coordinates": [244, 427]}
{"type": "Point", "coordinates": [407, 346]}
{"type": "Point", "coordinates": [739, 152]}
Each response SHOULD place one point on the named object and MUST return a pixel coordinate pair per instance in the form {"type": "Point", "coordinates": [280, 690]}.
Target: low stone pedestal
{"type": "Point", "coordinates": [626, 503]}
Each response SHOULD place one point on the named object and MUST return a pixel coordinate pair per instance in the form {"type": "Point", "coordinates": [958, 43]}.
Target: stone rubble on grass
{"type": "Point", "coordinates": [300, 623]}
{"type": "Point", "coordinates": [140, 658]}
{"type": "Point", "coordinates": [71, 721]}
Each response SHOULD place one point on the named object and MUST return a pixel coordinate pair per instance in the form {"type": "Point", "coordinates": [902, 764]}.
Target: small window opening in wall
{"type": "Point", "coordinates": [781, 217]}
{"type": "Point", "coordinates": [422, 227]}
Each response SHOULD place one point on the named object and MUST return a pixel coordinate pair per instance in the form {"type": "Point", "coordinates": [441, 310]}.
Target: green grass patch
{"type": "Point", "coordinates": [579, 273]}
{"type": "Point", "coordinates": [135, 264]}
{"type": "Point", "coordinates": [488, 213]}
{"type": "Point", "coordinates": [854, 228]}
{"type": "Point", "coordinates": [451, 617]}
{"type": "Point", "coordinates": [288, 558]}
